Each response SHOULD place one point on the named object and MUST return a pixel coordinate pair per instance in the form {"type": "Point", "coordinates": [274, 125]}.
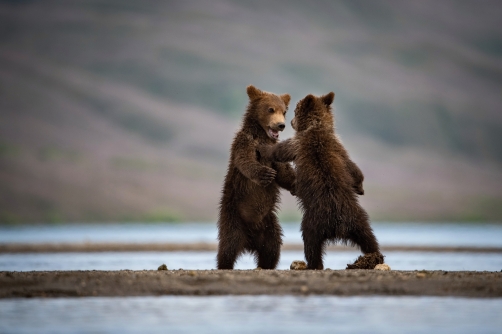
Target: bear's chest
{"type": "Point", "coordinates": [262, 160]}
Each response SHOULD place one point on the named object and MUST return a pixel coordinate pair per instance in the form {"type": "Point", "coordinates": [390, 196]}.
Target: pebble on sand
{"type": "Point", "coordinates": [162, 267]}
{"type": "Point", "coordinates": [298, 265]}
{"type": "Point", "coordinates": [383, 266]}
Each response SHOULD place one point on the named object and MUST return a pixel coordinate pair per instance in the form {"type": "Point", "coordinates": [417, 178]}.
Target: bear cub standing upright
{"type": "Point", "coordinates": [247, 219]}
{"type": "Point", "coordinates": [327, 182]}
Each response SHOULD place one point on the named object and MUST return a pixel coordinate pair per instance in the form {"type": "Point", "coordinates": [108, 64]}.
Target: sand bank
{"type": "Point", "coordinates": [249, 282]}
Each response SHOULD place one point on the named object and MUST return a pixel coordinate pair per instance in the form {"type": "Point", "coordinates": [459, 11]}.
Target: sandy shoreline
{"type": "Point", "coordinates": [249, 282]}
{"type": "Point", "coordinates": [201, 247]}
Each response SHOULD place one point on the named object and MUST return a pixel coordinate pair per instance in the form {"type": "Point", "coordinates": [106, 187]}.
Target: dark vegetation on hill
{"type": "Point", "coordinates": [125, 110]}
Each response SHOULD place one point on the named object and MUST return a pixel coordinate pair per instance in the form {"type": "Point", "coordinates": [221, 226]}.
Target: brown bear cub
{"type": "Point", "coordinates": [247, 219]}
{"type": "Point", "coordinates": [327, 182]}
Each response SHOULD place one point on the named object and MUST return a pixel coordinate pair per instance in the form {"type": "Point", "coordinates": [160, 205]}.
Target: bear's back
{"type": "Point", "coordinates": [322, 175]}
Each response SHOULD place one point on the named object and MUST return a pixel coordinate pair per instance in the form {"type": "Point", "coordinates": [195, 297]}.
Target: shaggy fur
{"type": "Point", "coordinates": [368, 261]}
{"type": "Point", "coordinates": [247, 219]}
{"type": "Point", "coordinates": [327, 182]}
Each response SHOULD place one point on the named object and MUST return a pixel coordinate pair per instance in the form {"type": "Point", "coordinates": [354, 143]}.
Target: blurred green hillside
{"type": "Point", "coordinates": [125, 110]}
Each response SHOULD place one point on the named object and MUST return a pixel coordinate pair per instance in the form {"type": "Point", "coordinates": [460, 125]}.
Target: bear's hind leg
{"type": "Point", "coordinates": [362, 235]}
{"type": "Point", "coordinates": [314, 252]}
{"type": "Point", "coordinates": [229, 248]}
{"type": "Point", "coordinates": [227, 256]}
{"type": "Point", "coordinates": [313, 246]}
{"type": "Point", "coordinates": [268, 245]}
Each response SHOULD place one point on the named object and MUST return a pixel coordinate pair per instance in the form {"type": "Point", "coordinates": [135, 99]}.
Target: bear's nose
{"type": "Point", "coordinates": [281, 126]}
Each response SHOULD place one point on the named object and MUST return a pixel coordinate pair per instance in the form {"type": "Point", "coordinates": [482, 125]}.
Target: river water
{"type": "Point", "coordinates": [421, 234]}
{"type": "Point", "coordinates": [249, 314]}
{"type": "Point", "coordinates": [389, 234]}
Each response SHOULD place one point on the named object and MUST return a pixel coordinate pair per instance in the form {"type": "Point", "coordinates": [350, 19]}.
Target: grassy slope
{"type": "Point", "coordinates": [121, 110]}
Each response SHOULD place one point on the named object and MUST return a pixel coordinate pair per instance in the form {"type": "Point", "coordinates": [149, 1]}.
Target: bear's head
{"type": "Point", "coordinates": [313, 111]}
{"type": "Point", "coordinates": [269, 110]}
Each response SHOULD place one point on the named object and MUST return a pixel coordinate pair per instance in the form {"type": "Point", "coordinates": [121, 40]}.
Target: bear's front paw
{"type": "Point", "coordinates": [265, 176]}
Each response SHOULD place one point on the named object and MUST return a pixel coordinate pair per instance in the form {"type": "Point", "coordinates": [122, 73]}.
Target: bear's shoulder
{"type": "Point", "coordinates": [243, 140]}
{"type": "Point", "coordinates": [244, 136]}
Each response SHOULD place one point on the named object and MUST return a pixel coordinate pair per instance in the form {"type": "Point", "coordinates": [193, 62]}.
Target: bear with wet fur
{"type": "Point", "coordinates": [247, 219]}
{"type": "Point", "coordinates": [327, 182]}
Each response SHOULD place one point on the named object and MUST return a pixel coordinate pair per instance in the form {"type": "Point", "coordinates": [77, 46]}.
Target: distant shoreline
{"type": "Point", "coordinates": [250, 282]}
{"type": "Point", "coordinates": [206, 247]}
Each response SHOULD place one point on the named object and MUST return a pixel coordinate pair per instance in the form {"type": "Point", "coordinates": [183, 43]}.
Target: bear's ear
{"type": "Point", "coordinates": [253, 92]}
{"type": "Point", "coordinates": [309, 102]}
{"type": "Point", "coordinates": [286, 98]}
{"type": "Point", "coordinates": [328, 99]}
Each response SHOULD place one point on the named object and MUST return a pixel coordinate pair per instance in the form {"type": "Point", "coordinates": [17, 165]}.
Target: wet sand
{"type": "Point", "coordinates": [200, 247]}
{"type": "Point", "coordinates": [249, 282]}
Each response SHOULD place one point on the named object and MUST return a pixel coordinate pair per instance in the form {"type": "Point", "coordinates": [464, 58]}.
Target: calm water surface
{"type": "Point", "coordinates": [251, 314]}
{"type": "Point", "coordinates": [426, 234]}
{"type": "Point", "coordinates": [435, 234]}
{"type": "Point", "coordinates": [207, 260]}
{"type": "Point", "coordinates": [248, 314]}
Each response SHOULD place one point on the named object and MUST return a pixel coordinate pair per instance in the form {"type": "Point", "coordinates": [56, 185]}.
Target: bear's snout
{"type": "Point", "coordinates": [281, 126]}
{"type": "Point", "coordinates": [293, 123]}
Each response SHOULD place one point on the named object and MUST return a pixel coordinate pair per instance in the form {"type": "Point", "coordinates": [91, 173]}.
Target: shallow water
{"type": "Point", "coordinates": [248, 314]}
{"type": "Point", "coordinates": [207, 260]}
{"type": "Point", "coordinates": [251, 314]}
{"type": "Point", "coordinates": [431, 234]}
{"type": "Point", "coordinates": [417, 234]}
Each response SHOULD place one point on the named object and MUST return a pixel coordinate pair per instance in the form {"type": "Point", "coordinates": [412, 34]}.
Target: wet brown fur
{"type": "Point", "coordinates": [247, 219]}
{"type": "Point", "coordinates": [327, 182]}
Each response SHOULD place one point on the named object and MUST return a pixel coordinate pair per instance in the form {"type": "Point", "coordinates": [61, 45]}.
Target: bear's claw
{"type": "Point", "coordinates": [266, 176]}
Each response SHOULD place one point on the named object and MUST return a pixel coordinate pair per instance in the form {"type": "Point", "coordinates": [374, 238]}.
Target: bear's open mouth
{"type": "Point", "coordinates": [273, 133]}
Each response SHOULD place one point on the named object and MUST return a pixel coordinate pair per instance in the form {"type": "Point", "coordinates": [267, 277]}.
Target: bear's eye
{"type": "Point", "coordinates": [270, 110]}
